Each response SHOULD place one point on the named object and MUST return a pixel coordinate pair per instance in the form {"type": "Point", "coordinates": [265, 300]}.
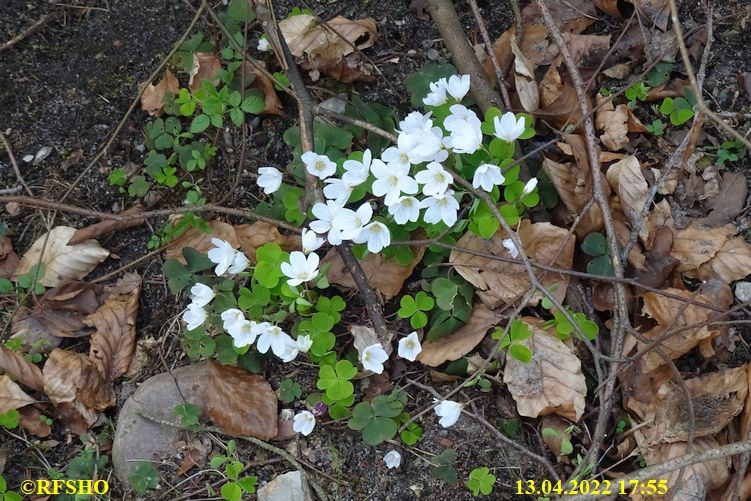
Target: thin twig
{"type": "Point", "coordinates": [320, 110]}
{"type": "Point", "coordinates": [491, 53]}
{"type": "Point", "coordinates": [30, 30]}
{"type": "Point", "coordinates": [14, 164]}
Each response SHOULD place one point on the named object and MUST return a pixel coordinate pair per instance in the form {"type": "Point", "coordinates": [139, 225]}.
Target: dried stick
{"type": "Point", "coordinates": [445, 18]}
{"type": "Point", "coordinates": [319, 110]}
{"type": "Point", "coordinates": [14, 164]}
{"type": "Point", "coordinates": [620, 314]}
{"type": "Point", "coordinates": [491, 53]}
{"type": "Point", "coordinates": [29, 31]}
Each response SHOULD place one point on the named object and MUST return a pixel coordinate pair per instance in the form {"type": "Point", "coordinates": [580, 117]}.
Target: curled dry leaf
{"type": "Point", "coordinates": [30, 419]}
{"type": "Point", "coordinates": [152, 99]}
{"type": "Point", "coordinates": [22, 370]}
{"type": "Point", "coordinates": [8, 258]}
{"type": "Point", "coordinates": [107, 226]}
{"type": "Point", "coordinates": [12, 396]}
{"type": "Point", "coordinates": [461, 342]}
{"type": "Point", "coordinates": [62, 261]}
{"type": "Point", "coordinates": [252, 236]}
{"type": "Point", "coordinates": [524, 80]}
{"type": "Point", "coordinates": [696, 245]}
{"type": "Point", "coordinates": [627, 180]}
{"type": "Point", "coordinates": [240, 403]}
{"type": "Point", "coordinates": [613, 121]}
{"type": "Point", "coordinates": [205, 67]}
{"type": "Point", "coordinates": [72, 377]}
{"type": "Point", "coordinates": [113, 342]}
{"type": "Point", "coordinates": [201, 241]}
{"type": "Point", "coordinates": [587, 51]}
{"type": "Point", "coordinates": [552, 383]}
{"type": "Point", "coordinates": [732, 262]}
{"type": "Point", "coordinates": [500, 282]}
{"type": "Point", "coordinates": [386, 276]}
{"type": "Point", "coordinates": [609, 6]}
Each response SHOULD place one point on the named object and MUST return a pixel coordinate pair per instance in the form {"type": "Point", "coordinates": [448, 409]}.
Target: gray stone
{"type": "Point", "coordinates": [288, 487]}
{"type": "Point", "coordinates": [743, 291]}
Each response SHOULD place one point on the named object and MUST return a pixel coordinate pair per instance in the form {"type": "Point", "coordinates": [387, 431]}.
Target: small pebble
{"type": "Point", "coordinates": [432, 54]}
{"type": "Point", "coordinates": [743, 291]}
{"type": "Point", "coordinates": [28, 158]}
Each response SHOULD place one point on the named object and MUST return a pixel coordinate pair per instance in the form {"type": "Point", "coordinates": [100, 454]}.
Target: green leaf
{"type": "Point", "coordinates": [231, 491]}
{"type": "Point", "coordinates": [520, 352]}
{"type": "Point", "coordinates": [200, 123]}
{"type": "Point", "coordinates": [143, 477]}
{"type": "Point", "coordinates": [601, 265]}
{"type": "Point", "coordinates": [10, 420]}
{"type": "Point", "coordinates": [444, 291]}
{"type": "Point", "coordinates": [236, 116]}
{"type": "Point", "coordinates": [590, 329]}
{"type": "Point", "coordinates": [510, 214]}
{"type": "Point", "coordinates": [253, 102]}
{"type": "Point", "coordinates": [6, 286]}
{"type": "Point", "coordinates": [501, 149]}
{"type": "Point", "coordinates": [666, 108]}
{"type": "Point", "coordinates": [412, 434]}
{"type": "Point", "coordinates": [408, 307]}
{"type": "Point", "coordinates": [233, 469]}
{"type": "Point", "coordinates": [196, 261]}
{"type": "Point", "coordinates": [248, 483]}
{"type": "Point", "coordinates": [419, 320]}
{"type": "Point", "coordinates": [178, 276]}
{"type": "Point", "coordinates": [418, 84]}
{"type": "Point", "coordinates": [188, 414]}
{"type": "Point", "coordinates": [595, 244]}
{"type": "Point", "coordinates": [423, 301]}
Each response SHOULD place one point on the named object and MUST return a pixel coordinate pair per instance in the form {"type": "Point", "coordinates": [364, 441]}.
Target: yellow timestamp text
{"type": "Point", "coordinates": [593, 487]}
{"type": "Point", "coordinates": [56, 487]}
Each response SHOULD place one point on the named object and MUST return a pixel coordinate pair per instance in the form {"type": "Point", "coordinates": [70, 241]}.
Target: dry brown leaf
{"type": "Point", "coordinates": [587, 51]}
{"type": "Point", "coordinates": [30, 419]}
{"type": "Point", "coordinates": [618, 71]}
{"type": "Point", "coordinates": [365, 336]}
{"type": "Point", "coordinates": [272, 104]}
{"type": "Point", "coordinates": [655, 12]}
{"type": "Point", "coordinates": [570, 15]}
{"type": "Point", "coordinates": [386, 276]}
{"type": "Point", "coordinates": [695, 245]}
{"type": "Point", "coordinates": [62, 261]}
{"type": "Point", "coordinates": [461, 342]}
{"type": "Point", "coordinates": [614, 122]}
{"type": "Point", "coordinates": [76, 416]}
{"type": "Point", "coordinates": [609, 6]}
{"type": "Point", "coordinates": [113, 342]}
{"type": "Point", "coordinates": [107, 226]}
{"type": "Point", "coordinates": [72, 377]}
{"type": "Point", "coordinates": [551, 87]}
{"type": "Point", "coordinates": [60, 312]}
{"type": "Point", "coordinates": [627, 180]}
{"type": "Point", "coordinates": [732, 262]}
{"type": "Point", "coordinates": [240, 403]}
{"type": "Point", "coordinates": [205, 67]}
{"type": "Point", "coordinates": [12, 396]}
{"type": "Point", "coordinates": [560, 426]}
{"type": "Point", "coordinates": [305, 35]}
{"type": "Point", "coordinates": [729, 201]}
{"type": "Point", "coordinates": [21, 369]}
{"type": "Point", "coordinates": [499, 282]}
{"type": "Point", "coordinates": [8, 258]}
{"type": "Point", "coordinates": [152, 99]}
{"type": "Point", "coordinates": [524, 80]}
{"type": "Point", "coordinates": [201, 241]}
{"type": "Point", "coordinates": [252, 236]}
{"type": "Point", "coordinates": [552, 383]}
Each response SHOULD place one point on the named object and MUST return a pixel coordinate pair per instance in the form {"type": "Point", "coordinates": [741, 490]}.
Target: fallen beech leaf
{"type": "Point", "coordinates": [252, 236]}
{"type": "Point", "coordinates": [695, 245]}
{"type": "Point", "coordinates": [12, 396]}
{"type": "Point", "coordinates": [618, 71]}
{"type": "Point", "coordinates": [551, 87]}
{"type": "Point", "coordinates": [524, 80]}
{"type": "Point", "coordinates": [565, 109]}
{"type": "Point", "coordinates": [107, 226]}
{"type": "Point", "coordinates": [201, 241]}
{"type": "Point", "coordinates": [76, 416]}
{"type": "Point", "coordinates": [62, 261]}
{"type": "Point", "coordinates": [21, 369]}
{"type": "Point", "coordinates": [72, 377]}
{"type": "Point", "coordinates": [205, 67]}
{"type": "Point", "coordinates": [461, 342]}
{"type": "Point", "coordinates": [8, 258]}
{"type": "Point", "coordinates": [365, 336]}
{"type": "Point", "coordinates": [587, 51]}
{"type": "Point", "coordinates": [729, 201]}
{"type": "Point", "coordinates": [113, 342]}
{"type": "Point", "coordinates": [554, 441]}
{"type": "Point", "coordinates": [655, 12]}
{"type": "Point", "coordinates": [152, 99]}
{"type": "Point", "coordinates": [60, 312]}
{"type": "Point", "coordinates": [627, 180]}
{"type": "Point", "coordinates": [570, 15]}
{"type": "Point", "coordinates": [732, 262]}
{"type": "Point", "coordinates": [673, 314]}
{"type": "Point", "coordinates": [500, 282]}
{"type": "Point", "coordinates": [386, 276]}
{"type": "Point", "coordinates": [552, 383]}
{"type": "Point", "coordinates": [609, 6]}
{"type": "Point", "coordinates": [240, 403]}
{"type": "Point", "coordinates": [614, 122]}
{"type": "Point", "coordinates": [30, 420]}
{"type": "Point", "coordinates": [348, 69]}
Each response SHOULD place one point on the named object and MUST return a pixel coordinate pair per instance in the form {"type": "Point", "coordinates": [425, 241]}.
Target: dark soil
{"type": "Point", "coordinates": [69, 85]}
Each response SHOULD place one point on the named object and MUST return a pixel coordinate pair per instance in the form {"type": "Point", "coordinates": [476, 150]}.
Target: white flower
{"type": "Point", "coordinates": [273, 337]}
{"type": "Point", "coordinates": [529, 187]}
{"type": "Point", "coordinates": [222, 255]}
{"type": "Point", "coordinates": [201, 294]}
{"type": "Point", "coordinates": [304, 343]}
{"type": "Point", "coordinates": [449, 412]}
{"type": "Point", "coordinates": [409, 347]}
{"type": "Point", "coordinates": [458, 86]}
{"type": "Point", "coordinates": [405, 209]}
{"type": "Point", "coordinates": [325, 215]}
{"type": "Point", "coordinates": [304, 422]}
{"type": "Point", "coordinates": [437, 94]}
{"type": "Point", "coordinates": [301, 268]}
{"type": "Point", "coordinates": [412, 149]}
{"type": "Point", "coordinates": [416, 122]}
{"type": "Point", "coordinates": [337, 190]}
{"type": "Point", "coordinates": [391, 181]}
{"type": "Point", "coordinates": [350, 222]}
{"type": "Point", "coordinates": [239, 263]}
{"type": "Point", "coordinates": [356, 173]}
{"type": "Point", "coordinates": [195, 315]}
{"type": "Point", "coordinates": [310, 241]}
{"type": "Point", "coordinates": [392, 459]}
{"type": "Point", "coordinates": [291, 350]}
{"type": "Point", "coordinates": [372, 358]}
{"type": "Point", "coordinates": [376, 234]}
{"type": "Point", "coordinates": [244, 333]}
{"type": "Point", "coordinates": [263, 44]}
{"type": "Point", "coordinates": [464, 126]}
{"type": "Point", "coordinates": [510, 247]}
{"type": "Point", "coordinates": [441, 208]}
{"type": "Point", "coordinates": [487, 176]}
{"type": "Point", "coordinates": [508, 128]}
{"type": "Point", "coordinates": [270, 179]}
{"type": "Point", "coordinates": [318, 165]}
{"type": "Point", "coordinates": [232, 319]}
{"type": "Point", "coordinates": [442, 152]}
{"type": "Point", "coordinates": [434, 178]}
